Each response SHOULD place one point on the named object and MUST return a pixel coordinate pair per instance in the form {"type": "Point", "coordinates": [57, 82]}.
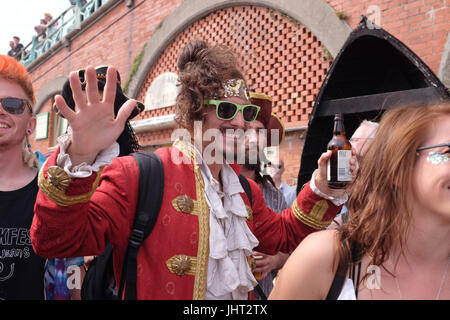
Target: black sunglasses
{"type": "Point", "coordinates": [15, 105]}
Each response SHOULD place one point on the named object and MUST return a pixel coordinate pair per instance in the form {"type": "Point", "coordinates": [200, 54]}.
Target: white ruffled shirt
{"type": "Point", "coordinates": [83, 170]}
{"type": "Point", "coordinates": [229, 275]}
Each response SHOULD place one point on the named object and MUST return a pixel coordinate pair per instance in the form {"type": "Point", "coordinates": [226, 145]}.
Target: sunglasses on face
{"type": "Point", "coordinates": [15, 105]}
{"type": "Point", "coordinates": [437, 157]}
{"type": "Point", "coordinates": [227, 110]}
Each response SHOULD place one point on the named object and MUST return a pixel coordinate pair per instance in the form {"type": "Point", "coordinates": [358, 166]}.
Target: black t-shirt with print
{"type": "Point", "coordinates": [21, 270]}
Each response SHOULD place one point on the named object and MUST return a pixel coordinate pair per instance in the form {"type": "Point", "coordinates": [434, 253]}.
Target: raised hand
{"type": "Point", "coordinates": [93, 123]}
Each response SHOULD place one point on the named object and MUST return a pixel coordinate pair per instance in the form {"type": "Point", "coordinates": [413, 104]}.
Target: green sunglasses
{"type": "Point", "coordinates": [227, 110]}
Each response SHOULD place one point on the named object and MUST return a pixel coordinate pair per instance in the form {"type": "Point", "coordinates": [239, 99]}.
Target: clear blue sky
{"type": "Point", "coordinates": [18, 18]}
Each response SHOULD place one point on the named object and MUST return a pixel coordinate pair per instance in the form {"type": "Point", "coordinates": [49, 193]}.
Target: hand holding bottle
{"type": "Point", "coordinates": [320, 175]}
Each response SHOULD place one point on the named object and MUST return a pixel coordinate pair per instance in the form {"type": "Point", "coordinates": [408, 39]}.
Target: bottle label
{"type": "Point", "coordinates": [328, 170]}
{"type": "Point", "coordinates": [343, 165]}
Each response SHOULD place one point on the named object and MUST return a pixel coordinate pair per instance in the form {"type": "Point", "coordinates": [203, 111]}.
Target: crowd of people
{"type": "Point", "coordinates": [46, 28]}
{"type": "Point", "coordinates": [46, 25]}
{"type": "Point", "coordinates": [16, 48]}
{"type": "Point", "coordinates": [227, 227]}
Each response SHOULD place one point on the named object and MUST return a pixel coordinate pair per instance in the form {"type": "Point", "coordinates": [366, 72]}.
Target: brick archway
{"type": "Point", "coordinates": [48, 90]}
{"type": "Point", "coordinates": [316, 15]}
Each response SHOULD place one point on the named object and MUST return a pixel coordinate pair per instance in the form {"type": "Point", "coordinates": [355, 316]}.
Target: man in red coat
{"type": "Point", "coordinates": [206, 229]}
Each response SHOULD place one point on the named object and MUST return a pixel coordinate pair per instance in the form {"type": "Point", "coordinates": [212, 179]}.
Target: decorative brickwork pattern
{"type": "Point", "coordinates": [280, 57]}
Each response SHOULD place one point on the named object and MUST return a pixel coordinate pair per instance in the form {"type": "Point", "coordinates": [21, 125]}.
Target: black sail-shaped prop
{"type": "Point", "coordinates": [373, 72]}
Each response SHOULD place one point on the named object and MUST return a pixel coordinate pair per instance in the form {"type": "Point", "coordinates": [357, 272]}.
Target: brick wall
{"type": "Point", "coordinates": [291, 153]}
{"type": "Point", "coordinates": [116, 39]}
{"type": "Point", "coordinates": [423, 25]}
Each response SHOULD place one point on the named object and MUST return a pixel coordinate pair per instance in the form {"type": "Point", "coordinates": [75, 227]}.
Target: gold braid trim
{"type": "Point", "coordinates": [202, 211]}
{"type": "Point", "coordinates": [314, 218]}
{"type": "Point", "coordinates": [57, 193]}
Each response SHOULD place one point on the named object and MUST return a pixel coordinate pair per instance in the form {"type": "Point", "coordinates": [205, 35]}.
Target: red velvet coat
{"type": "Point", "coordinates": [76, 217]}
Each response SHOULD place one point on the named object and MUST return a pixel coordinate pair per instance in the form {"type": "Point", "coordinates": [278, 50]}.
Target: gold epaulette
{"type": "Point", "coordinates": [56, 184]}
{"type": "Point", "coordinates": [314, 218]}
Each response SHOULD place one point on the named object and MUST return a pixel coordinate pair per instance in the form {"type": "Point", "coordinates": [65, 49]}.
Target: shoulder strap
{"type": "Point", "coordinates": [151, 189]}
{"type": "Point", "coordinates": [341, 273]}
{"type": "Point", "coordinates": [246, 186]}
{"type": "Point", "coordinates": [337, 284]}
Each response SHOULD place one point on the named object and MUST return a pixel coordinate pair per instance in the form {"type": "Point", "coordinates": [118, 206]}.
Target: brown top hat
{"type": "Point", "coordinates": [265, 115]}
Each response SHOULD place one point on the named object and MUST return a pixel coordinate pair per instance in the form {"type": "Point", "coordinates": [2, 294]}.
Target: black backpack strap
{"type": "Point", "coordinates": [248, 191]}
{"type": "Point", "coordinates": [246, 186]}
{"type": "Point", "coordinates": [151, 189]}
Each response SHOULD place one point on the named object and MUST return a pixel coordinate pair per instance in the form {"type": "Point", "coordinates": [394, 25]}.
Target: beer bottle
{"type": "Point", "coordinates": [338, 167]}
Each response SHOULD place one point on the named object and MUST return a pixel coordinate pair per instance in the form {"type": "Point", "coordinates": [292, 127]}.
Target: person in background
{"type": "Point", "coordinates": [266, 266]}
{"type": "Point", "coordinates": [51, 25]}
{"type": "Point", "coordinates": [40, 29]}
{"type": "Point", "coordinates": [11, 52]}
{"type": "Point", "coordinates": [396, 242]}
{"type": "Point", "coordinates": [18, 47]}
{"type": "Point", "coordinates": [276, 170]}
{"type": "Point", "coordinates": [21, 270]}
{"type": "Point", "coordinates": [362, 137]}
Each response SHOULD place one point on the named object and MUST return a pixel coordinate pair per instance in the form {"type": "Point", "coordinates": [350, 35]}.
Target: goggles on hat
{"type": "Point", "coordinates": [99, 75]}
{"type": "Point", "coordinates": [227, 110]}
{"type": "Point", "coordinates": [15, 105]}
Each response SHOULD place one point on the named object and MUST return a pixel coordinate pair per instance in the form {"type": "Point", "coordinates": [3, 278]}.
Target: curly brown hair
{"type": "Point", "coordinates": [202, 70]}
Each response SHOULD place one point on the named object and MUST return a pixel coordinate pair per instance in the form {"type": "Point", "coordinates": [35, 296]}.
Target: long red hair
{"type": "Point", "coordinates": [379, 212]}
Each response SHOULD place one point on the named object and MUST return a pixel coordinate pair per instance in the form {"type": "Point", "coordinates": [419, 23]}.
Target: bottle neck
{"type": "Point", "coordinates": [338, 126]}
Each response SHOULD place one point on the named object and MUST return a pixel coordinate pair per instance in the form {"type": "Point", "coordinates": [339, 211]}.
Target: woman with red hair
{"type": "Point", "coordinates": [396, 242]}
